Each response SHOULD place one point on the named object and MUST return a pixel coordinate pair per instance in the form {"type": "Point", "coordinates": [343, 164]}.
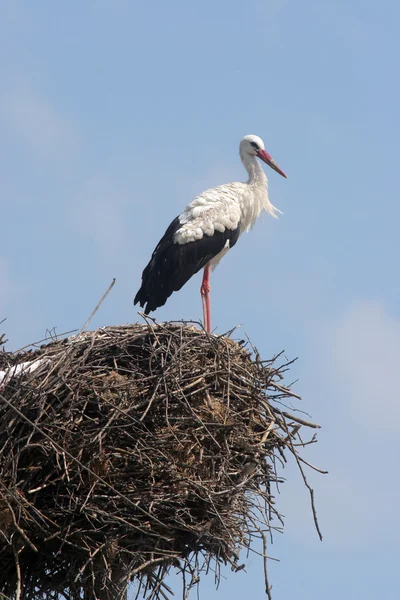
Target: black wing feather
{"type": "Point", "coordinates": [172, 264]}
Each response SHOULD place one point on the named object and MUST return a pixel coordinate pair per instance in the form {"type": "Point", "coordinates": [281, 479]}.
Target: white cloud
{"type": "Point", "coordinates": [35, 122]}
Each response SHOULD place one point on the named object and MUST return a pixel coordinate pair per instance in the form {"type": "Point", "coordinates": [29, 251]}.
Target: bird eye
{"type": "Point", "coordinates": [255, 146]}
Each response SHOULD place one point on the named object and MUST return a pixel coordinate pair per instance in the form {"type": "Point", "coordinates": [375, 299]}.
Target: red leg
{"type": "Point", "coordinates": [205, 296]}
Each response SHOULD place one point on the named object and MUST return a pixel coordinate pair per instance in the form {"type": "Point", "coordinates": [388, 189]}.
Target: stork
{"type": "Point", "coordinates": [206, 229]}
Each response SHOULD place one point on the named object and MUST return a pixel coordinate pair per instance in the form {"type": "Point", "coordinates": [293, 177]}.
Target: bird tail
{"type": "Point", "coordinates": [142, 300]}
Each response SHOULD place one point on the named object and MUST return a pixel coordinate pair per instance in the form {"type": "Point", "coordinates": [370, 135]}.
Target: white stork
{"type": "Point", "coordinates": [207, 228]}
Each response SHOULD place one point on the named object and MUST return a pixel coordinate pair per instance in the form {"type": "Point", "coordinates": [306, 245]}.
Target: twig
{"type": "Point", "coordinates": [98, 305]}
{"type": "Point", "coordinates": [18, 571]}
{"type": "Point", "coordinates": [301, 421]}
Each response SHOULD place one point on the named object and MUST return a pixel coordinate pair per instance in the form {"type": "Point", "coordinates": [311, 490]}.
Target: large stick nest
{"type": "Point", "coordinates": [131, 450]}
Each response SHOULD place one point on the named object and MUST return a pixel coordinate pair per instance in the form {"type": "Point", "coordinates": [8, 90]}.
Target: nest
{"type": "Point", "coordinates": [133, 450]}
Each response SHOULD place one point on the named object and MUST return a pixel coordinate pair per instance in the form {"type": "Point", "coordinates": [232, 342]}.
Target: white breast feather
{"type": "Point", "coordinates": [223, 207]}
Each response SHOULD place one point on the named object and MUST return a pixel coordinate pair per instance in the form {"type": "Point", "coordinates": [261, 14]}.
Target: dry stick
{"type": "Point", "coordinates": [285, 390]}
{"type": "Point", "coordinates": [194, 580]}
{"type": "Point", "coordinates": [149, 563]}
{"type": "Point", "coordinates": [98, 305]}
{"type": "Point", "coordinates": [266, 433]}
{"type": "Point", "coordinates": [18, 569]}
{"type": "Point", "coordinates": [147, 319]}
{"type": "Point", "coordinates": [150, 402]}
{"type": "Point", "coordinates": [265, 560]}
{"type": "Point", "coordinates": [61, 449]}
{"type": "Point", "coordinates": [81, 570]}
{"type": "Point", "coordinates": [312, 466]}
{"type": "Point", "coordinates": [310, 489]}
{"type": "Point", "coordinates": [299, 420]}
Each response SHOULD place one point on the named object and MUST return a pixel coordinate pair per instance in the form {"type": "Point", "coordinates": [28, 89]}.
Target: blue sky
{"type": "Point", "coordinates": [115, 113]}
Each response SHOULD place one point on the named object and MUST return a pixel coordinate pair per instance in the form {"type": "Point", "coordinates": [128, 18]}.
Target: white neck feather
{"type": "Point", "coordinates": [256, 197]}
{"type": "Point", "coordinates": [257, 177]}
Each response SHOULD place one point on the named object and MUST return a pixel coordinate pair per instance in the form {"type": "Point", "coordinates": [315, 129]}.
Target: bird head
{"type": "Point", "coordinates": [254, 146]}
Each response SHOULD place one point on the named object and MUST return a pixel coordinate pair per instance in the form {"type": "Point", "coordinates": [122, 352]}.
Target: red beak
{"type": "Point", "coordinates": [263, 155]}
